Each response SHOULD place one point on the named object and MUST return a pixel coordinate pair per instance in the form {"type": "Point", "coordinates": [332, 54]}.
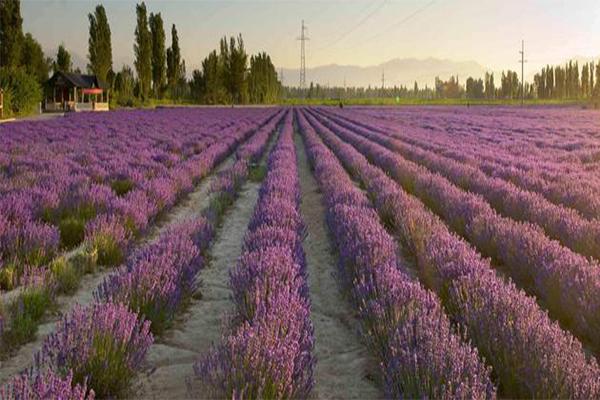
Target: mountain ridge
{"type": "Point", "coordinates": [397, 71]}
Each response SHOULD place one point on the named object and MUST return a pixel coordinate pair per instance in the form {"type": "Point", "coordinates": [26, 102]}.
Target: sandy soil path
{"type": "Point", "coordinates": [344, 369]}
{"type": "Point", "coordinates": [170, 360]}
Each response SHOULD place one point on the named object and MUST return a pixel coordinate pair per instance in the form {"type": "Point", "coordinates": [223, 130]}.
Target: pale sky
{"type": "Point", "coordinates": [356, 32]}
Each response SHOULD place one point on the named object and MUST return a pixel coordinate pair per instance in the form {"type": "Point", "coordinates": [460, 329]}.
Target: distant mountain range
{"type": "Point", "coordinates": [399, 71]}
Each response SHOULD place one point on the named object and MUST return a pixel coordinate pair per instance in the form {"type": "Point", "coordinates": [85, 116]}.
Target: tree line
{"type": "Point", "coordinates": [560, 82]}
{"type": "Point", "coordinates": [159, 73]}
{"type": "Point", "coordinates": [226, 77]}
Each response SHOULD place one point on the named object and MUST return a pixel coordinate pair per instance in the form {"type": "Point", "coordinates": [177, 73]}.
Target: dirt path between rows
{"type": "Point", "coordinates": [191, 204]}
{"type": "Point", "coordinates": [169, 364]}
{"type": "Point", "coordinates": [168, 371]}
{"type": "Point", "coordinates": [344, 368]}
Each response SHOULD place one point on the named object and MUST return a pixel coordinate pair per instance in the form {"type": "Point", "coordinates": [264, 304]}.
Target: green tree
{"type": "Point", "coordinates": [263, 86]}
{"type": "Point", "coordinates": [175, 65]}
{"type": "Point", "coordinates": [474, 88]}
{"type": "Point", "coordinates": [235, 61]}
{"type": "Point", "coordinates": [124, 86]}
{"type": "Point", "coordinates": [490, 88]}
{"type": "Point", "coordinates": [158, 54]}
{"type": "Point", "coordinates": [143, 51]}
{"type": "Point", "coordinates": [99, 45]}
{"type": "Point", "coordinates": [33, 59]}
{"type": "Point", "coordinates": [63, 60]}
{"type": "Point", "coordinates": [591, 79]}
{"type": "Point", "coordinates": [585, 81]}
{"type": "Point", "coordinates": [213, 86]}
{"type": "Point", "coordinates": [597, 86]}
{"type": "Point", "coordinates": [197, 86]}
{"type": "Point", "coordinates": [11, 33]}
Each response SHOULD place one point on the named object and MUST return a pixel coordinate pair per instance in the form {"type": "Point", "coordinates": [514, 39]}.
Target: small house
{"type": "Point", "coordinates": [67, 91]}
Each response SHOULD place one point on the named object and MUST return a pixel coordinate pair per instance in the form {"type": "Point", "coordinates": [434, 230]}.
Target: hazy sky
{"type": "Point", "coordinates": [360, 32]}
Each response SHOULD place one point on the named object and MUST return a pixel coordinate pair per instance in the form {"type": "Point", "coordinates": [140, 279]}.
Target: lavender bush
{"type": "Point", "coordinates": [102, 344]}
{"type": "Point", "coordinates": [45, 385]}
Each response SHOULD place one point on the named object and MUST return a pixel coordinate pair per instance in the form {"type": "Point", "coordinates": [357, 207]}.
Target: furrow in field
{"type": "Point", "coordinates": [526, 349]}
{"type": "Point", "coordinates": [565, 283]}
{"type": "Point", "coordinates": [344, 368]}
{"type": "Point", "coordinates": [168, 370]}
{"type": "Point", "coordinates": [403, 324]}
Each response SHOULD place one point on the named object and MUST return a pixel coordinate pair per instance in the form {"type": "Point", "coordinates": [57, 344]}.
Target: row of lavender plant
{"type": "Point", "coordinates": [565, 283]}
{"type": "Point", "coordinates": [421, 356]}
{"type": "Point", "coordinates": [267, 352]}
{"type": "Point", "coordinates": [568, 184]}
{"type": "Point", "coordinates": [559, 223]}
{"type": "Point", "coordinates": [565, 185]}
{"type": "Point", "coordinates": [527, 350]}
{"type": "Point", "coordinates": [571, 184]}
{"type": "Point", "coordinates": [51, 197]}
{"type": "Point", "coordinates": [554, 136]}
{"type": "Point", "coordinates": [109, 239]}
{"type": "Point", "coordinates": [103, 345]}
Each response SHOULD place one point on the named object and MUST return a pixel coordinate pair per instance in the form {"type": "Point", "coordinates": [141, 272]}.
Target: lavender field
{"type": "Point", "coordinates": [309, 252]}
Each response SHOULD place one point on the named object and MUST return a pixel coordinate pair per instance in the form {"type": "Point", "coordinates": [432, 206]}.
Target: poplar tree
{"type": "Point", "coordinates": [175, 70]}
{"type": "Point", "coordinates": [597, 88]}
{"type": "Point", "coordinates": [99, 44]}
{"type": "Point", "coordinates": [33, 59]}
{"type": "Point", "coordinates": [143, 51]}
{"type": "Point", "coordinates": [11, 33]}
{"type": "Point", "coordinates": [263, 86]}
{"type": "Point", "coordinates": [159, 76]}
{"type": "Point", "coordinates": [585, 81]}
{"type": "Point", "coordinates": [592, 79]}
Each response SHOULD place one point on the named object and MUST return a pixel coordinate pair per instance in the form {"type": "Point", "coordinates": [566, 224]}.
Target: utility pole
{"type": "Point", "coordinates": [523, 61]}
{"type": "Point", "coordinates": [382, 83]}
{"type": "Point", "coordinates": [303, 38]}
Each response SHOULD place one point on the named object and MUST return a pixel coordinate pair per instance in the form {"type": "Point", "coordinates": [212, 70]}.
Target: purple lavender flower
{"type": "Point", "coordinates": [103, 343]}
{"type": "Point", "coordinates": [45, 385]}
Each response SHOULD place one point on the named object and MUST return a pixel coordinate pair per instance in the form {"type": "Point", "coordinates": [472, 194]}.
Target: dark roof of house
{"type": "Point", "coordinates": [70, 79]}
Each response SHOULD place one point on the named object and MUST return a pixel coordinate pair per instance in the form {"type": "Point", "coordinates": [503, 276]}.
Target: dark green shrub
{"type": "Point", "coordinates": [122, 186]}
{"type": "Point", "coordinates": [66, 275]}
{"type": "Point", "coordinates": [23, 91]}
{"type": "Point", "coordinates": [26, 312]}
{"type": "Point", "coordinates": [72, 231]}
{"type": "Point", "coordinates": [257, 173]}
{"type": "Point", "coordinates": [85, 261]}
{"type": "Point", "coordinates": [108, 250]}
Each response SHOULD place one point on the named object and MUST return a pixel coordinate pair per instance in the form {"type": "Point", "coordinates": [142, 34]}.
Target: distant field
{"type": "Point", "coordinates": [303, 252]}
{"type": "Point", "coordinates": [390, 101]}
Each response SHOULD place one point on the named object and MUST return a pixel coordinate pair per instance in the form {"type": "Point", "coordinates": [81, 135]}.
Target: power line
{"type": "Point", "coordinates": [303, 38]}
{"type": "Point", "coordinates": [402, 21]}
{"type": "Point", "coordinates": [353, 28]}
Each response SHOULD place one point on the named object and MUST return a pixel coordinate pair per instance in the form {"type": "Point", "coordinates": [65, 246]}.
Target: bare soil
{"type": "Point", "coordinates": [169, 366]}
{"type": "Point", "coordinates": [344, 368]}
